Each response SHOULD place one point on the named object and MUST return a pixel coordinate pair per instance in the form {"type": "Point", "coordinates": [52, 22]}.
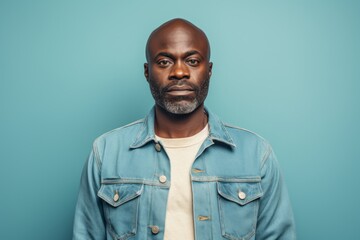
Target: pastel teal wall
{"type": "Point", "coordinates": [71, 70]}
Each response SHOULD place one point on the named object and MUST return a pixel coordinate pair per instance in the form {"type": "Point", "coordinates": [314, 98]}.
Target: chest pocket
{"type": "Point", "coordinates": [238, 208]}
{"type": "Point", "coordinates": [121, 204]}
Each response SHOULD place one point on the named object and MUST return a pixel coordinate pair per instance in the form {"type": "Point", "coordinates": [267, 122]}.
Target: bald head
{"type": "Point", "coordinates": [176, 30]}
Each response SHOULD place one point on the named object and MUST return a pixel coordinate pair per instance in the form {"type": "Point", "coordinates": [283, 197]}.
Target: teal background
{"type": "Point", "coordinates": [72, 70]}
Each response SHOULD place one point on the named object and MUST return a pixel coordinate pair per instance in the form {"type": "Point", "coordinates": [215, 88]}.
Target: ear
{"type": "Point", "coordinates": [146, 71]}
{"type": "Point", "coordinates": [210, 68]}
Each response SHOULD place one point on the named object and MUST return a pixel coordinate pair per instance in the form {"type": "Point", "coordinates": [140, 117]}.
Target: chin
{"type": "Point", "coordinates": [180, 107]}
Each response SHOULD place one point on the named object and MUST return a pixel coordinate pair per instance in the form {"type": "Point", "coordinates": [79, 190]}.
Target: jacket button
{"type": "Point", "coordinates": [116, 196]}
{"type": "Point", "coordinates": [158, 147]}
{"type": "Point", "coordinates": [242, 195]}
{"type": "Point", "coordinates": [197, 170]}
{"type": "Point", "coordinates": [162, 179]}
{"type": "Point", "coordinates": [155, 229]}
{"type": "Point", "coordinates": [203, 218]}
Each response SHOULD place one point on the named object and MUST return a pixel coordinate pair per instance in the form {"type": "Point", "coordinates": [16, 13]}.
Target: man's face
{"type": "Point", "coordinates": [178, 69]}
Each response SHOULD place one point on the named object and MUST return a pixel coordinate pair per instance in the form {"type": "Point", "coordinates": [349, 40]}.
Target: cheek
{"type": "Point", "coordinates": [159, 75]}
{"type": "Point", "coordinates": [156, 81]}
{"type": "Point", "coordinates": [201, 75]}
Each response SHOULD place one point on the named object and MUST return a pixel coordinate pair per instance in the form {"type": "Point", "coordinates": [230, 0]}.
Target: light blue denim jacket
{"type": "Point", "coordinates": [238, 190]}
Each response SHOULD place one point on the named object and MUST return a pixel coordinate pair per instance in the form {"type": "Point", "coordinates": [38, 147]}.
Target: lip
{"type": "Point", "coordinates": [180, 90]}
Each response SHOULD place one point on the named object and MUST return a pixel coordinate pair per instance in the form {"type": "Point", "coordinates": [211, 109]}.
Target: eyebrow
{"type": "Point", "coordinates": [165, 54]}
{"type": "Point", "coordinates": [169, 55]}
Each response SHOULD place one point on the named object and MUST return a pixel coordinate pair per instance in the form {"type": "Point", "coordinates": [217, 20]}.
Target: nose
{"type": "Point", "coordinates": [179, 71]}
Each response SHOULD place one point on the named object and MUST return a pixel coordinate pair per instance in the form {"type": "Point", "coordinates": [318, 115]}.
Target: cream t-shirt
{"type": "Point", "coordinates": [179, 223]}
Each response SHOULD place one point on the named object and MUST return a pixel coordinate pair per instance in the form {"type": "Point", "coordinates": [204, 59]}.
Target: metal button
{"type": "Point", "coordinates": [116, 196]}
{"type": "Point", "coordinates": [197, 170]}
{"type": "Point", "coordinates": [162, 179]}
{"type": "Point", "coordinates": [158, 147]}
{"type": "Point", "coordinates": [155, 229]}
{"type": "Point", "coordinates": [203, 218]}
{"type": "Point", "coordinates": [242, 195]}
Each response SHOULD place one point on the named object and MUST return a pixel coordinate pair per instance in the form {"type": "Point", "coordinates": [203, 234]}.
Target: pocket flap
{"type": "Point", "coordinates": [240, 192]}
{"type": "Point", "coordinates": [124, 192]}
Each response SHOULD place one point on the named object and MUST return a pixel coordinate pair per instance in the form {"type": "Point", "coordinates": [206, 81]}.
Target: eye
{"type": "Point", "coordinates": [193, 62]}
{"type": "Point", "coordinates": [163, 63]}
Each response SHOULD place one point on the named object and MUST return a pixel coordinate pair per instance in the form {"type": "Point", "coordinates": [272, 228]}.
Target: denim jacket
{"type": "Point", "coordinates": [238, 190]}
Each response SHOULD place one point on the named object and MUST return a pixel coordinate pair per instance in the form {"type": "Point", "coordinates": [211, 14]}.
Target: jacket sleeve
{"type": "Point", "coordinates": [275, 216]}
{"type": "Point", "coordinates": [89, 223]}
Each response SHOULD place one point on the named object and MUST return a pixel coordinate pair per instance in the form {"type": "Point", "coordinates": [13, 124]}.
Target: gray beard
{"type": "Point", "coordinates": [180, 107]}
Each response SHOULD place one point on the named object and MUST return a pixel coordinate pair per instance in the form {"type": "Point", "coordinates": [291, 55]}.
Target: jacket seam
{"type": "Point", "coordinates": [265, 157]}
{"type": "Point", "coordinates": [120, 128]}
{"type": "Point", "coordinates": [245, 130]}
{"type": "Point", "coordinates": [97, 157]}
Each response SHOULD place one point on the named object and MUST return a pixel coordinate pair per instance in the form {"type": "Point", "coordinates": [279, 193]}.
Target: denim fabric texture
{"type": "Point", "coordinates": [238, 189]}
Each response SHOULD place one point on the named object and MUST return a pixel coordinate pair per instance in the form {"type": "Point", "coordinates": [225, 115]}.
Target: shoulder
{"type": "Point", "coordinates": [241, 139]}
{"type": "Point", "coordinates": [242, 133]}
{"type": "Point", "coordinates": [122, 134]}
{"type": "Point", "coordinates": [249, 141]}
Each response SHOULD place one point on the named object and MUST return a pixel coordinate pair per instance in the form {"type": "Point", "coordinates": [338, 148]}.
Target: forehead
{"type": "Point", "coordinates": [178, 41]}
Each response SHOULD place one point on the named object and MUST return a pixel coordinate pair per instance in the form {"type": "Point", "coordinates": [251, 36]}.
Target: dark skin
{"type": "Point", "coordinates": [177, 52]}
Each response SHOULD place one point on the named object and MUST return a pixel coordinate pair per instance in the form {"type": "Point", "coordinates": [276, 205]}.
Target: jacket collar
{"type": "Point", "coordinates": [217, 130]}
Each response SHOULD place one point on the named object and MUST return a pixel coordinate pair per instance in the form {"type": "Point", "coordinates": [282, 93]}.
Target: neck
{"type": "Point", "coordinates": [169, 125]}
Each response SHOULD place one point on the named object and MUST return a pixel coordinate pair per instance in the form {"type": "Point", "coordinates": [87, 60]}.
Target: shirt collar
{"type": "Point", "coordinates": [217, 131]}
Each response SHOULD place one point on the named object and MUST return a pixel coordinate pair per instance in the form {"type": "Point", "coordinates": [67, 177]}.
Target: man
{"type": "Point", "coordinates": [181, 173]}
